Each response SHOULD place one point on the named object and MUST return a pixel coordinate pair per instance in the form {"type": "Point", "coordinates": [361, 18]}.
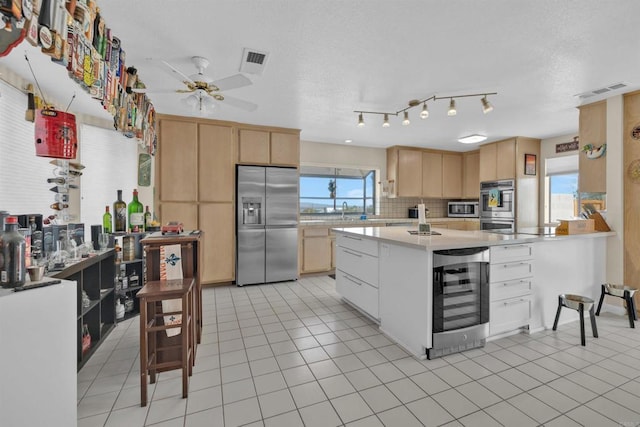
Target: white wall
{"type": "Point", "coordinates": [548, 150]}
{"type": "Point", "coordinates": [343, 155]}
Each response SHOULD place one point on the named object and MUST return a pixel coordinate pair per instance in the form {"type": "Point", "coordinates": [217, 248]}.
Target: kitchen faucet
{"type": "Point", "coordinates": [344, 208]}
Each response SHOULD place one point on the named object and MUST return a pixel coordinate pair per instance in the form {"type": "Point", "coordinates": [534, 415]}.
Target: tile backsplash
{"type": "Point", "coordinates": [398, 207]}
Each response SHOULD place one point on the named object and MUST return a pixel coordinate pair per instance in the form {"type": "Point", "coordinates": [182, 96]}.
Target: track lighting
{"type": "Point", "coordinates": [486, 105]}
{"type": "Point", "coordinates": [452, 108]}
{"type": "Point", "coordinates": [424, 113]}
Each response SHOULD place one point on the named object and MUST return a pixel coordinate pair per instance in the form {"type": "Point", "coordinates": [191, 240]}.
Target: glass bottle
{"type": "Point", "coordinates": [13, 251]}
{"type": "Point", "coordinates": [136, 214]}
{"type": "Point", "coordinates": [58, 206]}
{"type": "Point", "coordinates": [147, 219]}
{"type": "Point", "coordinates": [120, 212]}
{"type": "Point", "coordinates": [106, 221]}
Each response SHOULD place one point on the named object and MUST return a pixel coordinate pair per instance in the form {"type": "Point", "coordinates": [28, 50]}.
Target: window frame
{"type": "Point", "coordinates": [371, 174]}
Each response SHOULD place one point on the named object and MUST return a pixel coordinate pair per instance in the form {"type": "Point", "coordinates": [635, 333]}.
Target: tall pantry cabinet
{"type": "Point", "coordinates": [195, 179]}
{"type": "Point", "coordinates": [195, 185]}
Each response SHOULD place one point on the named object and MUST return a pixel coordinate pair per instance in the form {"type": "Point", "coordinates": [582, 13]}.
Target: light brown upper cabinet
{"type": "Point", "coordinates": [268, 147]}
{"type": "Point", "coordinates": [505, 159]}
{"type": "Point", "coordinates": [452, 175]}
{"type": "Point", "coordinates": [471, 175]}
{"type": "Point", "coordinates": [414, 172]}
{"type": "Point", "coordinates": [177, 155]}
{"type": "Point", "coordinates": [216, 173]}
{"type": "Point", "coordinates": [592, 129]}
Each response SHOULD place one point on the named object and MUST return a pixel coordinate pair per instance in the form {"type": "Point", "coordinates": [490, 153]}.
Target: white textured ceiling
{"type": "Point", "coordinates": [328, 58]}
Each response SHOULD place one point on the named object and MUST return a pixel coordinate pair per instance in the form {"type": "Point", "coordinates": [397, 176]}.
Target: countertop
{"type": "Point", "coordinates": [454, 239]}
{"type": "Point", "coordinates": [372, 222]}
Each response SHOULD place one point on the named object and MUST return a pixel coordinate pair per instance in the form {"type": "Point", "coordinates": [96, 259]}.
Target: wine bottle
{"type": "Point", "coordinates": [106, 221]}
{"type": "Point", "coordinates": [57, 180]}
{"type": "Point", "coordinates": [136, 214]}
{"type": "Point", "coordinates": [147, 219]}
{"type": "Point", "coordinates": [120, 212]}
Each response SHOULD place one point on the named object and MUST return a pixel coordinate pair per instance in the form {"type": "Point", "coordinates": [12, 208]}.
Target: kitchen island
{"type": "Point", "coordinates": [388, 274]}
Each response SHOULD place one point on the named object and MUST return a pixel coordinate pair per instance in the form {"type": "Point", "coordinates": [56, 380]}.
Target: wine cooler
{"type": "Point", "coordinates": [460, 300]}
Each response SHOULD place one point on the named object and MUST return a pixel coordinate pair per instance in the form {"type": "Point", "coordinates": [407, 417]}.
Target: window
{"type": "Point", "coordinates": [563, 194]}
{"type": "Point", "coordinates": [337, 190]}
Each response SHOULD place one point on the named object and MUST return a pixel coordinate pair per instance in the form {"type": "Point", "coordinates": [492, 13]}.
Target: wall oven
{"type": "Point", "coordinates": [498, 225]}
{"type": "Point", "coordinates": [497, 199]}
{"type": "Point", "coordinates": [460, 300]}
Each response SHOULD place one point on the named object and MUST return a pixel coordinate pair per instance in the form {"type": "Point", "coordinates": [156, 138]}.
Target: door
{"type": "Point", "coordinates": [251, 256]}
{"type": "Point", "coordinates": [281, 258]}
{"type": "Point", "coordinates": [281, 196]}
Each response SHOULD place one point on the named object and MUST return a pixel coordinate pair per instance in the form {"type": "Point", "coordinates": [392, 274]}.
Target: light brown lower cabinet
{"type": "Point", "coordinates": [317, 252]}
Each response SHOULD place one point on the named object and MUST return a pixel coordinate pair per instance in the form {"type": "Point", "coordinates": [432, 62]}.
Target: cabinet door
{"type": "Point", "coordinates": [285, 149]}
{"type": "Point", "coordinates": [471, 175]}
{"type": "Point", "coordinates": [177, 157]}
{"type": "Point", "coordinates": [409, 181]}
{"type": "Point", "coordinates": [253, 146]}
{"type": "Point", "coordinates": [218, 255]}
{"type": "Point", "coordinates": [186, 213]}
{"type": "Point", "coordinates": [506, 159]}
{"type": "Point", "coordinates": [488, 162]}
{"type": "Point", "coordinates": [451, 176]}
{"type": "Point", "coordinates": [431, 174]}
{"type": "Point", "coordinates": [316, 254]}
{"type": "Point", "coordinates": [592, 129]}
{"type": "Point", "coordinates": [215, 163]}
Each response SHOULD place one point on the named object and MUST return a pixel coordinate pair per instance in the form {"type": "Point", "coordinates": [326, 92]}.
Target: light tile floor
{"type": "Point", "coordinates": [293, 354]}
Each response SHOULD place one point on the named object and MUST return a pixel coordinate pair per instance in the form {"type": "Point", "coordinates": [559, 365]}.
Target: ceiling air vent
{"type": "Point", "coordinates": [600, 91]}
{"type": "Point", "coordinates": [253, 61]}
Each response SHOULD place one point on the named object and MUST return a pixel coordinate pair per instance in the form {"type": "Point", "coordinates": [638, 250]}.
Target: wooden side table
{"type": "Point", "coordinates": [152, 326]}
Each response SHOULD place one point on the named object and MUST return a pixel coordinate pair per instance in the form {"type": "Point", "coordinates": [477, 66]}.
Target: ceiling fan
{"type": "Point", "coordinates": [204, 90]}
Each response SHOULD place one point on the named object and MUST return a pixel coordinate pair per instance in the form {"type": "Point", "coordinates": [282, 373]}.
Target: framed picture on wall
{"type": "Point", "coordinates": [529, 164]}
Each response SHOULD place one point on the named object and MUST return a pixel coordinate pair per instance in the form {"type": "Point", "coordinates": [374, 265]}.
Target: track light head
{"type": "Point", "coordinates": [385, 123]}
{"type": "Point", "coordinates": [406, 121]}
{"type": "Point", "coordinates": [452, 108]}
{"type": "Point", "coordinates": [360, 121]}
{"type": "Point", "coordinates": [425, 112]}
{"type": "Point", "coordinates": [486, 105]}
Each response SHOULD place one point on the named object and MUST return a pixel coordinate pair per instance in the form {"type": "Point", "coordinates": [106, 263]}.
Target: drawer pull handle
{"type": "Point", "coordinates": [352, 238]}
{"type": "Point", "coordinates": [351, 280]}
{"type": "Point", "coordinates": [515, 265]}
{"type": "Point", "coordinates": [513, 283]}
{"type": "Point", "coordinates": [352, 253]}
{"type": "Point", "coordinates": [515, 302]}
{"type": "Point", "coordinates": [514, 247]}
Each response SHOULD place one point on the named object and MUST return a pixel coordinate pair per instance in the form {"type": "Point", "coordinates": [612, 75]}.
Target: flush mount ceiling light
{"type": "Point", "coordinates": [451, 111]}
{"type": "Point", "coordinates": [472, 139]}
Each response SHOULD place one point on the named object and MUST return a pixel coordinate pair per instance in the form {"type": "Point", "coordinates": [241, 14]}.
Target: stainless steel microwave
{"type": "Point", "coordinates": [463, 209]}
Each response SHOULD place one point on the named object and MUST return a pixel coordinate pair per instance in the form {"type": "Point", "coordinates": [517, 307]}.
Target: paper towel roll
{"type": "Point", "coordinates": [422, 219]}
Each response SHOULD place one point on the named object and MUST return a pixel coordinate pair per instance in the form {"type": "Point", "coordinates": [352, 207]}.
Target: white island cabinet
{"type": "Point", "coordinates": [387, 274]}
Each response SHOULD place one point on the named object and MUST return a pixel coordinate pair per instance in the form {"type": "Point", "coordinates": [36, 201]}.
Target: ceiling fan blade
{"type": "Point", "coordinates": [232, 82]}
{"type": "Point", "coordinates": [151, 92]}
{"type": "Point", "coordinates": [178, 72]}
{"type": "Point", "coordinates": [239, 103]}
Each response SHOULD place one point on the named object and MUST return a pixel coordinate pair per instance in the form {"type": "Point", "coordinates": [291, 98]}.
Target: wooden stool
{"type": "Point", "coordinates": [579, 303]}
{"type": "Point", "coordinates": [624, 292]}
{"type": "Point", "coordinates": [157, 351]}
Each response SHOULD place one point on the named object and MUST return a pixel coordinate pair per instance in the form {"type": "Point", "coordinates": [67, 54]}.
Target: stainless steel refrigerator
{"type": "Point", "coordinates": [266, 224]}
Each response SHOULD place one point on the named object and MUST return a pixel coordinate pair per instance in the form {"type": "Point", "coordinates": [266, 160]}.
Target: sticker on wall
{"type": "Point", "coordinates": [594, 152]}
{"type": "Point", "coordinates": [635, 132]}
{"type": "Point", "coordinates": [144, 170]}
{"type": "Point", "coordinates": [633, 171]}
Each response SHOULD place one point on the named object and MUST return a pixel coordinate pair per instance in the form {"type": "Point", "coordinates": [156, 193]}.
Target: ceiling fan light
{"type": "Point", "coordinates": [360, 121]}
{"type": "Point", "coordinates": [472, 139]}
{"type": "Point", "coordinates": [425, 112]}
{"type": "Point", "coordinates": [406, 121]}
{"type": "Point", "coordinates": [486, 105]}
{"type": "Point", "coordinates": [191, 100]}
{"type": "Point", "coordinates": [452, 108]}
{"type": "Point", "coordinates": [385, 123]}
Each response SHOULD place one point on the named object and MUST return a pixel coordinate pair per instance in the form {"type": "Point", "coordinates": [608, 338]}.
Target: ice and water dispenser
{"type": "Point", "coordinates": [251, 210]}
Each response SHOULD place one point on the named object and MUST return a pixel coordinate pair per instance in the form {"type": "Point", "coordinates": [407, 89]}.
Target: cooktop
{"type": "Point", "coordinates": [429, 233]}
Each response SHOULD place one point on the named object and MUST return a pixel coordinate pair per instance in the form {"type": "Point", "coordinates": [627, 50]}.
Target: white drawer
{"type": "Point", "coordinates": [368, 246]}
{"type": "Point", "coordinates": [506, 253]}
{"type": "Point", "coordinates": [359, 293]}
{"type": "Point", "coordinates": [510, 289]}
{"type": "Point", "coordinates": [358, 264]}
{"type": "Point", "coordinates": [510, 271]}
{"type": "Point", "coordinates": [508, 315]}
